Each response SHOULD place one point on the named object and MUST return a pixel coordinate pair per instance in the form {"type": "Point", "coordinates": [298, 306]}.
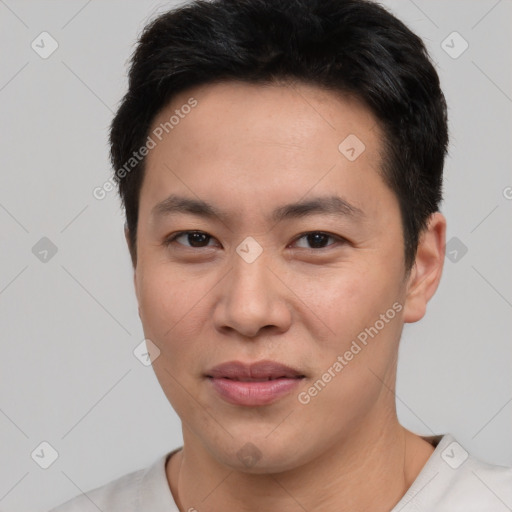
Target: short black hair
{"type": "Point", "coordinates": [354, 47]}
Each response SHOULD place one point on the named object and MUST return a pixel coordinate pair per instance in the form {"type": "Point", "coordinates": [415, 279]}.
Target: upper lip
{"type": "Point", "coordinates": [259, 370]}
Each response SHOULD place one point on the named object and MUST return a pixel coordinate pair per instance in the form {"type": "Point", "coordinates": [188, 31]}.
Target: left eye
{"type": "Point", "coordinates": [316, 239]}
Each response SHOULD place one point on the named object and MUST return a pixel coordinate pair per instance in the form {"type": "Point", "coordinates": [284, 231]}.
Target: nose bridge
{"type": "Point", "coordinates": [252, 297]}
{"type": "Point", "coordinates": [251, 277]}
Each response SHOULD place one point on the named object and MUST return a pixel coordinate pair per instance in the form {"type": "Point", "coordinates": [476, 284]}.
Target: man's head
{"type": "Point", "coordinates": [285, 211]}
{"type": "Point", "coordinates": [348, 46]}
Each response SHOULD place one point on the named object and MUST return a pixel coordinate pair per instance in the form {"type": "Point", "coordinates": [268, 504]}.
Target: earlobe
{"type": "Point", "coordinates": [426, 272]}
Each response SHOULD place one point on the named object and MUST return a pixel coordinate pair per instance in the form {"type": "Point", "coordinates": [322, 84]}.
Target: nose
{"type": "Point", "coordinates": [253, 300]}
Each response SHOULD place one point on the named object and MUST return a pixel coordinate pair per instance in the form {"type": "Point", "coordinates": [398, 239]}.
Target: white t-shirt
{"type": "Point", "coordinates": [450, 481]}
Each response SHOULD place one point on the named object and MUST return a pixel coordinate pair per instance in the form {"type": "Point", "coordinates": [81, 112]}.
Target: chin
{"type": "Point", "coordinates": [258, 455]}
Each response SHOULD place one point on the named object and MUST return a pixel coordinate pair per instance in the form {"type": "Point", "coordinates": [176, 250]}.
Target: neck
{"type": "Point", "coordinates": [372, 471]}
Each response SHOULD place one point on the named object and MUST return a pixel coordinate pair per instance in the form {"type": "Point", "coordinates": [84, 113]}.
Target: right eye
{"type": "Point", "coordinates": [195, 239]}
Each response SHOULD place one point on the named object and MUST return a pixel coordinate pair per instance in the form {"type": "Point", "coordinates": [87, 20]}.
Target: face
{"type": "Point", "coordinates": [297, 259]}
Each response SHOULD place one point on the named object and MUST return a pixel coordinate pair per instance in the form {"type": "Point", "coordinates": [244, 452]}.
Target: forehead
{"type": "Point", "coordinates": [285, 113]}
{"type": "Point", "coordinates": [262, 141]}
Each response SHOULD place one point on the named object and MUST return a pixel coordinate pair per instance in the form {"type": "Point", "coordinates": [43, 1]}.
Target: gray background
{"type": "Point", "coordinates": [69, 324]}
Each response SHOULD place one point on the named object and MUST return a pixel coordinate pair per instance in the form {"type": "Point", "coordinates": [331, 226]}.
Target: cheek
{"type": "Point", "coordinates": [157, 294]}
{"type": "Point", "coordinates": [169, 305]}
{"type": "Point", "coordinates": [359, 354]}
{"type": "Point", "coordinates": [347, 300]}
{"type": "Point", "coordinates": [172, 318]}
{"type": "Point", "coordinates": [366, 341]}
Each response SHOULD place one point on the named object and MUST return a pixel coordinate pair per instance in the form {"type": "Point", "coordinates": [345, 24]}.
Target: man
{"type": "Point", "coordinates": [280, 164]}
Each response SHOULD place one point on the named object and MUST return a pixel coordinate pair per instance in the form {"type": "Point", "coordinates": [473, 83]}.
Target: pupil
{"type": "Point", "coordinates": [317, 239]}
{"type": "Point", "coordinates": [197, 239]}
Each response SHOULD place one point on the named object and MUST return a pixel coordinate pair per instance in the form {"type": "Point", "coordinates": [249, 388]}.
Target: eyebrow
{"type": "Point", "coordinates": [327, 205]}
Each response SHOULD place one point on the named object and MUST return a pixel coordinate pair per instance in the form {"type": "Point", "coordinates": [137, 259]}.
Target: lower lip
{"type": "Point", "coordinates": [253, 393]}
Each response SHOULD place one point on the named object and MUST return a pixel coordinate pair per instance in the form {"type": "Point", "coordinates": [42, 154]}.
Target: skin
{"type": "Point", "coordinates": [248, 149]}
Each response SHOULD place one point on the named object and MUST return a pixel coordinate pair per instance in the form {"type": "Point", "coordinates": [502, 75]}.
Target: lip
{"type": "Point", "coordinates": [260, 383]}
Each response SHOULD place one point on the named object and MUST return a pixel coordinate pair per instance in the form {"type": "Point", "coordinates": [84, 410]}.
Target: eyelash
{"type": "Point", "coordinates": [168, 241]}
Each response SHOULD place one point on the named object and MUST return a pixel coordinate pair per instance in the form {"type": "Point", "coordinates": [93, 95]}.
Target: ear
{"type": "Point", "coordinates": [426, 272]}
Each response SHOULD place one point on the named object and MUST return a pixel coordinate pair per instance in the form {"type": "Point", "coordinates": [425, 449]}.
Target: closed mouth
{"type": "Point", "coordinates": [261, 379]}
{"type": "Point", "coordinates": [259, 371]}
